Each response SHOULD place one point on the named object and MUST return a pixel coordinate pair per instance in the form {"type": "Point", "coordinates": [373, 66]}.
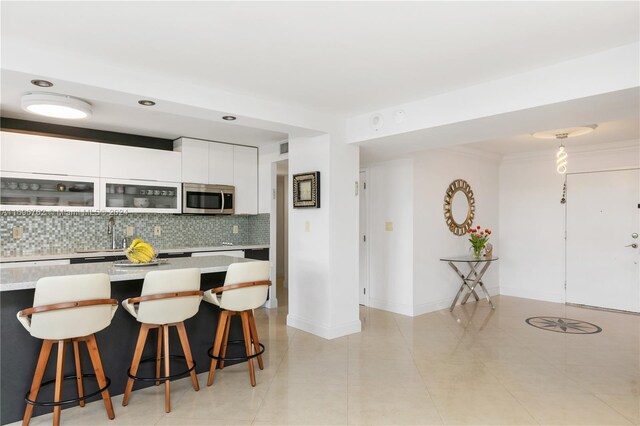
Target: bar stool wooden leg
{"type": "Point", "coordinates": [57, 393]}
{"type": "Point", "coordinates": [225, 339]}
{"type": "Point", "coordinates": [79, 381]}
{"type": "Point", "coordinates": [247, 344]}
{"type": "Point", "coordinates": [184, 341]}
{"type": "Point", "coordinates": [254, 338]}
{"type": "Point", "coordinates": [217, 341]}
{"type": "Point", "coordinates": [167, 383]}
{"type": "Point", "coordinates": [41, 366]}
{"type": "Point", "coordinates": [135, 363]}
{"type": "Point", "coordinates": [92, 345]}
{"type": "Point", "coordinates": [158, 353]}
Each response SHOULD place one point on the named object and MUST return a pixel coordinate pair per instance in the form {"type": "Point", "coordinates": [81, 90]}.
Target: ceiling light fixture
{"type": "Point", "coordinates": [146, 102]}
{"type": "Point", "coordinates": [54, 105]}
{"type": "Point", "coordinates": [228, 117]}
{"type": "Point", "coordinates": [562, 134]}
{"type": "Point", "coordinates": [41, 83]}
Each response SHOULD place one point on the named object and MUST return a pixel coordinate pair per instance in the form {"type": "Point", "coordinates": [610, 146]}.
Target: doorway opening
{"type": "Point", "coordinates": [282, 232]}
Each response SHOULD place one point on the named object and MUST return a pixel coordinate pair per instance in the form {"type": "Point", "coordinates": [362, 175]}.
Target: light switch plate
{"type": "Point", "coordinates": [129, 231]}
{"type": "Point", "coordinates": [157, 231]}
{"type": "Point", "coordinates": [17, 232]}
{"type": "Point", "coordinates": [235, 229]}
{"type": "Point", "coordinates": [388, 226]}
{"type": "Point", "coordinates": [307, 226]}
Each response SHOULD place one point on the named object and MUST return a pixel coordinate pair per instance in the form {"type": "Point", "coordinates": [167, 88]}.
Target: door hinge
{"type": "Point", "coordinates": [364, 238]}
{"type": "Point", "coordinates": [365, 290]}
{"type": "Point", "coordinates": [365, 187]}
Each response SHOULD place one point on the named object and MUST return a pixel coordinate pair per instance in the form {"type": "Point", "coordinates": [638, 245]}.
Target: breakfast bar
{"type": "Point", "coordinates": [117, 342]}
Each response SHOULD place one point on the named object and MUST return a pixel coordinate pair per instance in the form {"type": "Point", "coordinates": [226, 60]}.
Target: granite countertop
{"type": "Point", "coordinates": [74, 255]}
{"type": "Point", "coordinates": [22, 278]}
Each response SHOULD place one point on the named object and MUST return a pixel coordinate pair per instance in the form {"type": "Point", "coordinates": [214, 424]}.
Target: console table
{"type": "Point", "coordinates": [477, 268]}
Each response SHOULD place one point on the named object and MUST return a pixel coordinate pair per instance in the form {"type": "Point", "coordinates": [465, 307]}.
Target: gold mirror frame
{"type": "Point", "coordinates": [459, 185]}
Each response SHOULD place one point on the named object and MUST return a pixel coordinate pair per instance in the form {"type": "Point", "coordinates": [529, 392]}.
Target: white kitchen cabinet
{"type": "Point", "coordinates": [126, 162]}
{"type": "Point", "coordinates": [245, 179]}
{"type": "Point", "coordinates": [234, 253]}
{"type": "Point", "coordinates": [37, 192]}
{"type": "Point", "coordinates": [20, 152]}
{"type": "Point", "coordinates": [221, 163]}
{"type": "Point", "coordinates": [195, 159]}
{"type": "Point", "coordinates": [138, 196]}
{"type": "Point", "coordinates": [227, 165]}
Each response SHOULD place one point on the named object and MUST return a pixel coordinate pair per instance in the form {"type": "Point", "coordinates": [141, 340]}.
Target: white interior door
{"type": "Point", "coordinates": [364, 249]}
{"type": "Point", "coordinates": [603, 223]}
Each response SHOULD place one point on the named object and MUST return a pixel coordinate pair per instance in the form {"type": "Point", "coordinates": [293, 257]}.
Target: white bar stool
{"type": "Point", "coordinates": [69, 309]}
{"type": "Point", "coordinates": [245, 288]}
{"type": "Point", "coordinates": [168, 299]}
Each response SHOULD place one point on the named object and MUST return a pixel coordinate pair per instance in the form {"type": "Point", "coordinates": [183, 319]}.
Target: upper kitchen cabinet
{"type": "Point", "coordinates": [26, 153]}
{"type": "Point", "coordinates": [125, 162]}
{"type": "Point", "coordinates": [222, 164]}
{"type": "Point", "coordinates": [195, 159]}
{"type": "Point", "coordinates": [245, 179]}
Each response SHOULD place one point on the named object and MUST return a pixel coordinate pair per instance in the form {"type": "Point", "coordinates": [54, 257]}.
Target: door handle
{"type": "Point", "coordinates": [222, 195]}
{"type": "Point", "coordinates": [634, 245]}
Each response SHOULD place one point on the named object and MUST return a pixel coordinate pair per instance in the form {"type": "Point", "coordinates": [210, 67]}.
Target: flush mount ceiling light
{"type": "Point", "coordinates": [41, 83]}
{"type": "Point", "coordinates": [228, 117]}
{"type": "Point", "coordinates": [570, 132]}
{"type": "Point", "coordinates": [146, 102]}
{"type": "Point", "coordinates": [54, 105]}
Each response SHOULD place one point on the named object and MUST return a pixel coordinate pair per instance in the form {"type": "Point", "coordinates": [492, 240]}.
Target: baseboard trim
{"type": "Point", "coordinates": [322, 330]}
{"type": "Point", "coordinates": [396, 308]}
{"type": "Point", "coordinates": [437, 305]}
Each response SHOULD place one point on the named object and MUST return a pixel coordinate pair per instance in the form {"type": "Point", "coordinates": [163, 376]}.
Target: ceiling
{"type": "Point", "coordinates": [118, 112]}
{"type": "Point", "coordinates": [345, 58]}
{"type": "Point", "coordinates": [617, 115]}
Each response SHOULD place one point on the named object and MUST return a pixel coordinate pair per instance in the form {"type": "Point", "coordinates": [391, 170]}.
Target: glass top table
{"type": "Point", "coordinates": [477, 268]}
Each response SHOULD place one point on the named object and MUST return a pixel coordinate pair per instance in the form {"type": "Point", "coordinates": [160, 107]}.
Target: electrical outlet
{"type": "Point", "coordinates": [157, 231]}
{"type": "Point", "coordinates": [129, 231]}
{"type": "Point", "coordinates": [235, 229]}
{"type": "Point", "coordinates": [388, 226]}
{"type": "Point", "coordinates": [307, 226]}
{"type": "Point", "coordinates": [17, 232]}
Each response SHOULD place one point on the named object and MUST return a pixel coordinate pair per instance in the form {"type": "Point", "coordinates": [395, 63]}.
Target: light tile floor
{"type": "Point", "coordinates": [473, 366]}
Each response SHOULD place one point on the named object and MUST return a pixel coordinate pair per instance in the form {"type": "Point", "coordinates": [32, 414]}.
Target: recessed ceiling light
{"type": "Point", "coordinates": [146, 102]}
{"type": "Point", "coordinates": [228, 117]}
{"type": "Point", "coordinates": [41, 83]}
{"type": "Point", "coordinates": [54, 105]}
{"type": "Point", "coordinates": [570, 132]}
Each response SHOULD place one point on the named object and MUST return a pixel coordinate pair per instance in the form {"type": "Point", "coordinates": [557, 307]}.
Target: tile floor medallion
{"type": "Point", "coordinates": [563, 325]}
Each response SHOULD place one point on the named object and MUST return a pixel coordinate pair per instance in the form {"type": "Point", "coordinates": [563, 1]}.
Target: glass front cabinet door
{"type": "Point", "coordinates": [141, 196]}
{"type": "Point", "coordinates": [29, 191]}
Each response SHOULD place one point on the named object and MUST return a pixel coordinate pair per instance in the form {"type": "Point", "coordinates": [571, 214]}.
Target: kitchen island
{"type": "Point", "coordinates": [19, 351]}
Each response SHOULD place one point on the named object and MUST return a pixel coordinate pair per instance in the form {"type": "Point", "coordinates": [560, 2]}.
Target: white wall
{"type": "Point", "coordinates": [323, 260]}
{"type": "Point", "coordinates": [406, 275]}
{"type": "Point", "coordinates": [532, 258]}
{"type": "Point", "coordinates": [435, 284]}
{"type": "Point", "coordinates": [390, 193]}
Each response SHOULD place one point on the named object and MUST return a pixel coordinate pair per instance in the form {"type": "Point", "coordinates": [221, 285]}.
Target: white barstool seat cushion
{"type": "Point", "coordinates": [72, 322]}
{"type": "Point", "coordinates": [167, 311]}
{"type": "Point", "coordinates": [243, 299]}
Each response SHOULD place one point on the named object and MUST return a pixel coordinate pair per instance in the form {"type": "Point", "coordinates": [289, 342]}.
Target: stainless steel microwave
{"type": "Point", "coordinates": [198, 198]}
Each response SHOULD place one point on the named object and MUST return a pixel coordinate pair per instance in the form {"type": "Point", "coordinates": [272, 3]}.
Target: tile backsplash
{"type": "Point", "coordinates": [62, 233]}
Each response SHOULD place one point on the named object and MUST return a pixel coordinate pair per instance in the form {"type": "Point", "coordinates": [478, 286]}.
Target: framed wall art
{"type": "Point", "coordinates": [306, 190]}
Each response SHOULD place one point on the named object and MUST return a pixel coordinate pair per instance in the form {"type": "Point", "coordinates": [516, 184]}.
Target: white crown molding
{"type": "Point", "coordinates": [628, 145]}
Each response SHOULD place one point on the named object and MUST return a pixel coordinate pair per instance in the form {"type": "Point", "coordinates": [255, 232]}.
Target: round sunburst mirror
{"type": "Point", "coordinates": [459, 207]}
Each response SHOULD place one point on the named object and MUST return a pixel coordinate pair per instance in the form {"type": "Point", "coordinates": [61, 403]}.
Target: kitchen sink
{"type": "Point", "coordinates": [100, 251]}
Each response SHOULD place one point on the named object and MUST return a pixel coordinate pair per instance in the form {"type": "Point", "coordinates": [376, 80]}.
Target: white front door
{"type": "Point", "coordinates": [603, 223]}
{"type": "Point", "coordinates": [364, 249]}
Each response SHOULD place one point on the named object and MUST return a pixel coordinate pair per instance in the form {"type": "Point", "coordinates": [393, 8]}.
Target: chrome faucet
{"type": "Point", "coordinates": [111, 230]}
